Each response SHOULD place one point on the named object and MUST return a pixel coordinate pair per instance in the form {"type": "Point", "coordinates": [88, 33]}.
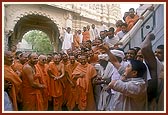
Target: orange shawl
{"type": "Point", "coordinates": [76, 40]}
{"type": "Point", "coordinates": [17, 66]}
{"type": "Point", "coordinates": [131, 21]}
{"type": "Point", "coordinates": [71, 92]}
{"type": "Point", "coordinates": [11, 76]}
{"type": "Point", "coordinates": [84, 87]}
{"type": "Point", "coordinates": [56, 86]}
{"type": "Point", "coordinates": [86, 36]}
{"type": "Point", "coordinates": [32, 97]}
{"type": "Point", "coordinates": [70, 68]}
{"type": "Point", "coordinates": [89, 72]}
{"type": "Point", "coordinates": [44, 79]}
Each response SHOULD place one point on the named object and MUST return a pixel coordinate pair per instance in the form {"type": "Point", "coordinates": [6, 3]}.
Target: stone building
{"type": "Point", "coordinates": [19, 18]}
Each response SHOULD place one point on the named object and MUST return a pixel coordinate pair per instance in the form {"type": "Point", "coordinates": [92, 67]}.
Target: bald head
{"type": "Point", "coordinates": [32, 55]}
{"type": "Point", "coordinates": [33, 58]}
{"type": "Point", "coordinates": [23, 58]}
{"type": "Point", "coordinates": [8, 58]}
{"type": "Point", "coordinates": [42, 59]}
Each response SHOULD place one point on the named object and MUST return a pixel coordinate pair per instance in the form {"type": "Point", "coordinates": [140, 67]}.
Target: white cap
{"type": "Point", "coordinates": [103, 57]}
{"type": "Point", "coordinates": [97, 66]}
{"type": "Point", "coordinates": [118, 53]}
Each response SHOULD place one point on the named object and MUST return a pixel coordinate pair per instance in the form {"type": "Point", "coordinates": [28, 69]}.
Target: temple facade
{"type": "Point", "coordinates": [51, 18]}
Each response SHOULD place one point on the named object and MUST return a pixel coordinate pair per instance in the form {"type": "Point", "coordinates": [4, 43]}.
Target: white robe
{"type": "Point", "coordinates": [67, 42]}
{"type": "Point", "coordinates": [104, 96]}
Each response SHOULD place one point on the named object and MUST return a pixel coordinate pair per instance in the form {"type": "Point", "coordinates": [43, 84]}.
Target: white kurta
{"type": "Point", "coordinates": [111, 42]}
{"type": "Point", "coordinates": [81, 37]}
{"type": "Point", "coordinates": [104, 95]}
{"type": "Point", "coordinates": [120, 34]}
{"type": "Point", "coordinates": [67, 42]}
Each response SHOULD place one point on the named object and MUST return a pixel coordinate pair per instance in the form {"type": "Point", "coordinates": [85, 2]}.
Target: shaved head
{"type": "Point", "coordinates": [42, 59]}
{"type": "Point", "coordinates": [33, 58]}
{"type": "Point", "coordinates": [8, 58]}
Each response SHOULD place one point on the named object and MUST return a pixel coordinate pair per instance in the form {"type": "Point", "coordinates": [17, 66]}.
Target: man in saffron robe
{"type": "Point", "coordinates": [131, 19]}
{"type": "Point", "coordinates": [76, 40]}
{"type": "Point", "coordinates": [18, 65]}
{"type": "Point", "coordinates": [41, 66]}
{"type": "Point", "coordinates": [86, 34]}
{"type": "Point", "coordinates": [56, 72]}
{"type": "Point", "coordinates": [65, 81]}
{"type": "Point", "coordinates": [32, 85]}
{"type": "Point", "coordinates": [71, 102]}
{"type": "Point", "coordinates": [84, 73]}
{"type": "Point", "coordinates": [92, 58]}
{"type": "Point", "coordinates": [13, 78]}
{"type": "Point", "coordinates": [49, 59]}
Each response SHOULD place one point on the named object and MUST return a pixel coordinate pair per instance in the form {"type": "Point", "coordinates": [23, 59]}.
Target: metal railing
{"type": "Point", "coordinates": [130, 35]}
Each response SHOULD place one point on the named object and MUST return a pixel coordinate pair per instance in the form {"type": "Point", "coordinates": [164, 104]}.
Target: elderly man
{"type": "Point", "coordinates": [56, 72]}
{"type": "Point", "coordinates": [106, 72]}
{"type": "Point", "coordinates": [84, 73]}
{"type": "Point", "coordinates": [71, 102]}
{"type": "Point", "coordinates": [32, 85]}
{"type": "Point", "coordinates": [42, 69]}
{"type": "Point", "coordinates": [13, 78]}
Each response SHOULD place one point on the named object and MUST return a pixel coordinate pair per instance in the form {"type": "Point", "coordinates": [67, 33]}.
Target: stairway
{"type": "Point", "coordinates": [153, 22]}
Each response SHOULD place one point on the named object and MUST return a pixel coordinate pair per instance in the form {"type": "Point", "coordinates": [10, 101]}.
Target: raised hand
{"type": "Point", "coordinates": [150, 36]}
{"type": "Point", "coordinates": [104, 47]}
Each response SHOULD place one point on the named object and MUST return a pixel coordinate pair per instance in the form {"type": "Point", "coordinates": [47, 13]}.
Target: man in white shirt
{"type": "Point", "coordinates": [111, 40]}
{"type": "Point", "coordinates": [80, 36]}
{"type": "Point", "coordinates": [95, 32]}
{"type": "Point", "coordinates": [68, 40]}
{"type": "Point", "coordinates": [123, 31]}
{"type": "Point", "coordinates": [102, 27]}
{"type": "Point", "coordinates": [92, 37]}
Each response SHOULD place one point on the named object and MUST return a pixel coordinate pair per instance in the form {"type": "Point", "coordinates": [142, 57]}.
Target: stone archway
{"type": "Point", "coordinates": [35, 22]}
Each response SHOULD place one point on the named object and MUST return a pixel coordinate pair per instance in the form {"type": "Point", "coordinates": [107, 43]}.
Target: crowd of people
{"type": "Point", "coordinates": [88, 74]}
{"type": "Point", "coordinates": [111, 35]}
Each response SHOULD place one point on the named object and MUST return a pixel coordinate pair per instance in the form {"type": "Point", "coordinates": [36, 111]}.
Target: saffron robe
{"type": "Point", "coordinates": [86, 36]}
{"type": "Point", "coordinates": [56, 87]}
{"type": "Point", "coordinates": [44, 80]}
{"type": "Point", "coordinates": [71, 102]}
{"type": "Point", "coordinates": [17, 66]}
{"type": "Point", "coordinates": [10, 75]}
{"type": "Point", "coordinates": [84, 87]}
{"type": "Point", "coordinates": [32, 97]}
{"type": "Point", "coordinates": [131, 21]}
{"type": "Point", "coordinates": [76, 41]}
